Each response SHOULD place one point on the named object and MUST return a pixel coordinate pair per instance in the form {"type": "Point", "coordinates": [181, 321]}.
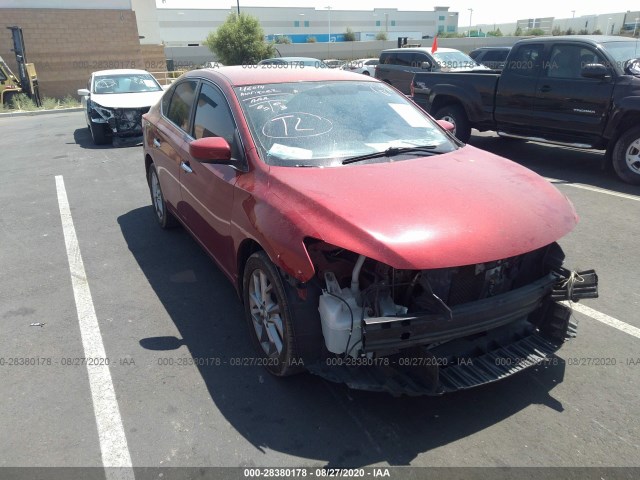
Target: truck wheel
{"type": "Point", "coordinates": [456, 115]}
{"type": "Point", "coordinates": [269, 317]}
{"type": "Point", "coordinates": [626, 156]}
{"type": "Point", "coordinates": [98, 133]}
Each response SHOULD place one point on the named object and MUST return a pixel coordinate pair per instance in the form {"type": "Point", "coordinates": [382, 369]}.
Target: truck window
{"type": "Point", "coordinates": [567, 61]}
{"type": "Point", "coordinates": [525, 60]}
{"type": "Point", "coordinates": [387, 58]}
{"type": "Point", "coordinates": [418, 58]}
{"type": "Point", "coordinates": [404, 58]}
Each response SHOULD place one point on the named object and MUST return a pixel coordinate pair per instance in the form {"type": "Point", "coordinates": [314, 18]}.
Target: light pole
{"type": "Point", "coordinates": [238, 3]}
{"type": "Point", "coordinates": [470, 17]}
{"type": "Point", "coordinates": [573, 14]}
{"type": "Point", "coordinates": [635, 27]}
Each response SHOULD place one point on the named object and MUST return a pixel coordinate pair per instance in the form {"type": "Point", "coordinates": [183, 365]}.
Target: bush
{"type": "Point", "coordinates": [239, 40]}
{"type": "Point", "coordinates": [381, 36]}
{"type": "Point", "coordinates": [518, 32]}
{"type": "Point", "coordinates": [311, 40]}
{"type": "Point", "coordinates": [535, 32]}
{"type": "Point", "coordinates": [283, 40]}
{"type": "Point", "coordinates": [597, 32]}
{"type": "Point", "coordinates": [22, 102]}
{"type": "Point", "coordinates": [584, 31]}
{"type": "Point", "coordinates": [69, 102]}
{"type": "Point", "coordinates": [494, 33]}
{"type": "Point", "coordinates": [49, 103]}
{"type": "Point", "coordinates": [349, 36]}
{"type": "Point", "coordinates": [569, 31]}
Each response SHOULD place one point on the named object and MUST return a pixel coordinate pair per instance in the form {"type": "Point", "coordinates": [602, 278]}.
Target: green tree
{"type": "Point", "coordinates": [239, 40]}
{"type": "Point", "coordinates": [494, 33]}
{"type": "Point", "coordinates": [569, 31]}
{"type": "Point", "coordinates": [349, 36]}
{"type": "Point", "coordinates": [597, 32]}
{"type": "Point", "coordinates": [518, 32]}
{"type": "Point", "coordinates": [381, 36]}
{"type": "Point", "coordinates": [283, 40]}
{"type": "Point", "coordinates": [535, 32]}
{"type": "Point", "coordinates": [556, 31]}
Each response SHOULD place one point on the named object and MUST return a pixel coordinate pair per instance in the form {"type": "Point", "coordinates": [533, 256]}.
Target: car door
{"type": "Point", "coordinates": [207, 189]}
{"type": "Point", "coordinates": [168, 137]}
{"type": "Point", "coordinates": [516, 94]}
{"type": "Point", "coordinates": [570, 107]}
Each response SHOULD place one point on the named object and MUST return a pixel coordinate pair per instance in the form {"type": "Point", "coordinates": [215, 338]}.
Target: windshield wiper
{"type": "Point", "coordinates": [391, 152]}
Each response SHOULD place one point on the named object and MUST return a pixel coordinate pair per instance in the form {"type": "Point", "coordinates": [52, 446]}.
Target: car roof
{"type": "Point", "coordinates": [293, 59]}
{"type": "Point", "coordinates": [121, 71]}
{"type": "Point", "coordinates": [490, 48]}
{"type": "Point", "coordinates": [421, 49]}
{"type": "Point", "coordinates": [237, 76]}
{"type": "Point", "coordinates": [592, 39]}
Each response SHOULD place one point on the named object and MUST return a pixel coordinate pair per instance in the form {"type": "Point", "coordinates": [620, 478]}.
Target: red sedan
{"type": "Point", "coordinates": [368, 245]}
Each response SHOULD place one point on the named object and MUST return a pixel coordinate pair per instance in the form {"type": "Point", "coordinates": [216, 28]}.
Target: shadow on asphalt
{"type": "Point", "coordinates": [305, 416]}
{"type": "Point", "coordinates": [568, 164]}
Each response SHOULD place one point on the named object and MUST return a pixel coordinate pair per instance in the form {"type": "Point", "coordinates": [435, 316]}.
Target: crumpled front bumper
{"type": "Point", "coordinates": [481, 342]}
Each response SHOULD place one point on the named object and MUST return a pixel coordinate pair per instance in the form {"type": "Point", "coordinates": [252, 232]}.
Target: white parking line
{"type": "Point", "coordinates": [113, 442]}
{"type": "Point", "coordinates": [628, 196]}
{"type": "Point", "coordinates": [606, 319]}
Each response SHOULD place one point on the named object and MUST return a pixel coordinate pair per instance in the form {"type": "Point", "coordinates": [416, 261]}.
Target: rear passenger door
{"type": "Point", "coordinates": [516, 94]}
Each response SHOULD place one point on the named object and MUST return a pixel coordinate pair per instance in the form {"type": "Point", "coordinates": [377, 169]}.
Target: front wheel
{"type": "Point", "coordinates": [456, 115]}
{"type": "Point", "coordinates": [164, 217]}
{"type": "Point", "coordinates": [269, 317]}
{"type": "Point", "coordinates": [98, 133]}
{"type": "Point", "coordinates": [626, 156]}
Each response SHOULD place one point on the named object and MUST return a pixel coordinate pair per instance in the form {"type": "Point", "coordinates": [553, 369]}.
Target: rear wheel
{"type": "Point", "coordinates": [456, 115]}
{"type": "Point", "coordinates": [626, 156]}
{"type": "Point", "coordinates": [366, 72]}
{"type": "Point", "coordinates": [98, 133]}
{"type": "Point", "coordinates": [269, 317]}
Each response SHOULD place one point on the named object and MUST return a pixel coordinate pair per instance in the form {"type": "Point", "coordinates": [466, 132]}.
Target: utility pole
{"type": "Point", "coordinates": [470, 17]}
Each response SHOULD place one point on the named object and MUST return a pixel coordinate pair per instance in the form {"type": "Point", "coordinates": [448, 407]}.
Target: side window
{"type": "Point", "coordinates": [525, 60]}
{"type": "Point", "coordinates": [418, 58]}
{"type": "Point", "coordinates": [181, 103]}
{"type": "Point", "coordinates": [213, 117]}
{"type": "Point", "coordinates": [493, 56]}
{"type": "Point", "coordinates": [564, 62]}
{"type": "Point", "coordinates": [387, 58]}
{"type": "Point", "coordinates": [404, 59]}
{"type": "Point", "coordinates": [166, 98]}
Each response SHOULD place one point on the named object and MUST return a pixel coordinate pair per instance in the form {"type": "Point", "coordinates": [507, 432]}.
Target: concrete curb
{"type": "Point", "coordinates": [41, 112]}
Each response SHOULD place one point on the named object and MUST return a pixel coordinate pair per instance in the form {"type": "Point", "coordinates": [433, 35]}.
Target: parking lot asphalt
{"type": "Point", "coordinates": [161, 303]}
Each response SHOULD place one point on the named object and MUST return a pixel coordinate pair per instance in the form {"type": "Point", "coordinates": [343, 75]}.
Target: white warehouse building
{"type": "Point", "coordinates": [190, 27]}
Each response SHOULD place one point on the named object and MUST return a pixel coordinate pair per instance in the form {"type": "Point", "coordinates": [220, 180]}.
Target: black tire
{"type": "Point", "coordinates": [456, 115]}
{"type": "Point", "coordinates": [268, 316]}
{"type": "Point", "coordinates": [98, 133]}
{"type": "Point", "coordinates": [626, 156]}
{"type": "Point", "coordinates": [164, 217]}
{"type": "Point", "coordinates": [7, 98]}
{"type": "Point", "coordinates": [366, 72]}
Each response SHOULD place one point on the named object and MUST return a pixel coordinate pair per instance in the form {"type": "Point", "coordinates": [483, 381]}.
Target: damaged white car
{"type": "Point", "coordinates": [114, 102]}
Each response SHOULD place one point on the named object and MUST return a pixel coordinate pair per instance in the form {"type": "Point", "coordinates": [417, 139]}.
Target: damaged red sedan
{"type": "Point", "coordinates": [368, 245]}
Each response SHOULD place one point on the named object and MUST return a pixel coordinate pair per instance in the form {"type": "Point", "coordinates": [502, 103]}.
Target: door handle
{"type": "Point", "coordinates": [185, 166]}
{"type": "Point", "coordinates": [545, 88]}
{"type": "Point", "coordinates": [156, 143]}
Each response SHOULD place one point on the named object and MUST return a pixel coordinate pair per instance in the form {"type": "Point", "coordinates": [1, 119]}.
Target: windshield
{"type": "Point", "coordinates": [125, 83]}
{"type": "Point", "coordinates": [454, 60]}
{"type": "Point", "coordinates": [623, 51]}
{"type": "Point", "coordinates": [321, 124]}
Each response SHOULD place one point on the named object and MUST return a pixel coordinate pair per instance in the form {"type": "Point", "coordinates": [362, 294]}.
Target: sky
{"type": "Point", "coordinates": [484, 11]}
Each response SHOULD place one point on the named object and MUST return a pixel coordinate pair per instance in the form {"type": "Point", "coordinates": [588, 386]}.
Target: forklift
{"type": "Point", "coordinates": [27, 81]}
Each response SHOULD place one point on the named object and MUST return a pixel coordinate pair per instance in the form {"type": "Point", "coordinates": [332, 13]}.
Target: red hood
{"type": "Point", "coordinates": [461, 208]}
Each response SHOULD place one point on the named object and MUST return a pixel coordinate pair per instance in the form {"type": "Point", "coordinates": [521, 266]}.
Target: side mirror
{"type": "Point", "coordinates": [632, 67]}
{"type": "Point", "coordinates": [210, 150]}
{"type": "Point", "coordinates": [83, 92]}
{"type": "Point", "coordinates": [425, 65]}
{"type": "Point", "coordinates": [594, 70]}
{"type": "Point", "coordinates": [448, 126]}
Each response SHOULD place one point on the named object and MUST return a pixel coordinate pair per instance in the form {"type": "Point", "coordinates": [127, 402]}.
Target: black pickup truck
{"type": "Point", "coordinates": [579, 91]}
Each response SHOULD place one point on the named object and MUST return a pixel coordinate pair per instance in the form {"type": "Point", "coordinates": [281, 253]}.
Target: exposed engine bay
{"type": "Point", "coordinates": [369, 310]}
{"type": "Point", "coordinates": [125, 124]}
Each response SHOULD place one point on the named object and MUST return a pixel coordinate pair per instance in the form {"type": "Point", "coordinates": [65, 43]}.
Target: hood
{"type": "Point", "coordinates": [459, 208]}
{"type": "Point", "coordinates": [127, 100]}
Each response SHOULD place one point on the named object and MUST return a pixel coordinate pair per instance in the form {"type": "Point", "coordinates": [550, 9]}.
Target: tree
{"type": "Point", "coordinates": [494, 33]}
{"type": "Point", "coordinates": [556, 31]}
{"type": "Point", "coordinates": [597, 32]}
{"type": "Point", "coordinates": [518, 32]}
{"type": "Point", "coordinates": [349, 36]}
{"type": "Point", "coordinates": [283, 40]}
{"type": "Point", "coordinates": [584, 31]}
{"type": "Point", "coordinates": [381, 36]}
{"type": "Point", "coordinates": [239, 40]}
{"type": "Point", "coordinates": [569, 31]}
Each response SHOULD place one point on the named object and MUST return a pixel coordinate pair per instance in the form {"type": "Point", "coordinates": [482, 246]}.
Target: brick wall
{"type": "Point", "coordinates": [153, 58]}
{"type": "Point", "coordinates": [67, 45]}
